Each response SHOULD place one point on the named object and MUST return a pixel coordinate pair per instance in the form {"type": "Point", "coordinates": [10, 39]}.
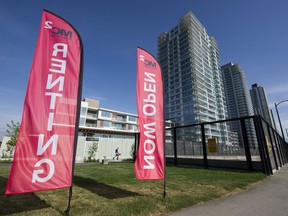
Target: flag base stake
{"type": "Point", "coordinates": [164, 194]}
{"type": "Point", "coordinates": [67, 211]}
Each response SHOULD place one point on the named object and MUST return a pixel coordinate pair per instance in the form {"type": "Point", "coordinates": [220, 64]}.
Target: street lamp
{"type": "Point", "coordinates": [277, 104]}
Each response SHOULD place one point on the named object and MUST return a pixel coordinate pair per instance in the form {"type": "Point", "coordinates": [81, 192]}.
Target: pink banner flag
{"type": "Point", "coordinates": [149, 164]}
{"type": "Point", "coordinates": [43, 157]}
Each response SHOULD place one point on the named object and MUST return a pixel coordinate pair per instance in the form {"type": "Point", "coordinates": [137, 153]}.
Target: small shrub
{"type": "Point", "coordinates": [92, 152]}
{"type": "Point", "coordinates": [132, 153]}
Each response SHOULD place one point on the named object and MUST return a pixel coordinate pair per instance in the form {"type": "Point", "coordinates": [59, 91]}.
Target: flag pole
{"type": "Point", "coordinates": [164, 183]}
{"type": "Point", "coordinates": [67, 211]}
{"type": "Point", "coordinates": [164, 139]}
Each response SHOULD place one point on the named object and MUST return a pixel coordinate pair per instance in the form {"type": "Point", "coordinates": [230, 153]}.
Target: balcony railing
{"type": "Point", "coordinates": [90, 125]}
{"type": "Point", "coordinates": [119, 119]}
{"type": "Point", "coordinates": [91, 116]}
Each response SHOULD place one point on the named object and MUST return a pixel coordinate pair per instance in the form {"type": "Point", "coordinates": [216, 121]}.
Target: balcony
{"type": "Point", "coordinates": [91, 116]}
{"type": "Point", "coordinates": [90, 125]}
{"type": "Point", "coordinates": [119, 119]}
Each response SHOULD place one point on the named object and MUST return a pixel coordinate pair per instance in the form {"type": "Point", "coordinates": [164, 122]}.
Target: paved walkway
{"type": "Point", "coordinates": [269, 198]}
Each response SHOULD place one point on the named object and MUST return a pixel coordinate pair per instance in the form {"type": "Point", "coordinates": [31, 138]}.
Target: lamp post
{"type": "Point", "coordinates": [277, 104]}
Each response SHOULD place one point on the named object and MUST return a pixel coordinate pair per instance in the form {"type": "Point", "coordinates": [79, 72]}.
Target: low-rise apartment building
{"type": "Point", "coordinates": [107, 129]}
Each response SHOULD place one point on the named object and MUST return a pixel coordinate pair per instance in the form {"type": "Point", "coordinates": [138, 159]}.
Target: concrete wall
{"type": "Point", "coordinates": [106, 147]}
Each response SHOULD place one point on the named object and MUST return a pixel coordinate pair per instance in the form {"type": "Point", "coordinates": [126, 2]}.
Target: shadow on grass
{"type": "Point", "coordinates": [101, 189]}
{"type": "Point", "coordinates": [18, 203]}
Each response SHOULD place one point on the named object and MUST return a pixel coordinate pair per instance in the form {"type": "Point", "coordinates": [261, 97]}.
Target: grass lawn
{"type": "Point", "coordinates": [113, 190]}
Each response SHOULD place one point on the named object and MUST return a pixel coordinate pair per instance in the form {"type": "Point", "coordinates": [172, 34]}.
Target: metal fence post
{"type": "Point", "coordinates": [246, 145]}
{"type": "Point", "coordinates": [278, 148]}
{"type": "Point", "coordinates": [264, 144]}
{"type": "Point", "coordinates": [284, 148]}
{"type": "Point", "coordinates": [260, 146]}
{"type": "Point", "coordinates": [272, 146]}
{"type": "Point", "coordinates": [175, 146]}
{"type": "Point", "coordinates": [204, 146]}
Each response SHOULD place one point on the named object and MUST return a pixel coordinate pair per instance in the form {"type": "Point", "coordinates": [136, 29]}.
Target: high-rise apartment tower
{"type": "Point", "coordinates": [260, 102]}
{"type": "Point", "coordinates": [238, 99]}
{"type": "Point", "coordinates": [193, 86]}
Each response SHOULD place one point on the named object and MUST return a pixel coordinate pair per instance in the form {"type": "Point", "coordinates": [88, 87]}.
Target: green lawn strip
{"type": "Point", "coordinates": [113, 190]}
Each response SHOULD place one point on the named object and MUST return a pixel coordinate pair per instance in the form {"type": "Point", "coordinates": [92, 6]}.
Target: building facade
{"type": "Point", "coordinates": [260, 103]}
{"type": "Point", "coordinates": [238, 99]}
{"type": "Point", "coordinates": [4, 150]}
{"type": "Point", "coordinates": [106, 129]}
{"type": "Point", "coordinates": [194, 91]}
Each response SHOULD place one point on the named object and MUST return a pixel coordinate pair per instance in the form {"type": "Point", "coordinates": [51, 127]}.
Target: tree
{"type": "Point", "coordinates": [132, 152]}
{"type": "Point", "coordinates": [12, 132]}
{"type": "Point", "coordinates": [92, 151]}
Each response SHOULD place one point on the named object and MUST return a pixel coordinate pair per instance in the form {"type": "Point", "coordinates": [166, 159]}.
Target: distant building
{"type": "Point", "coordinates": [106, 128]}
{"type": "Point", "coordinates": [193, 86]}
{"type": "Point", "coordinates": [234, 138]}
{"type": "Point", "coordinates": [260, 102]}
{"type": "Point", "coordinates": [238, 99]}
{"type": "Point", "coordinates": [4, 153]}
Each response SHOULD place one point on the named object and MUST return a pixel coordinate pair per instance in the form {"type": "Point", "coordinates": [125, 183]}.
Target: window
{"type": "Point", "coordinates": [83, 111]}
{"type": "Point", "coordinates": [92, 137]}
{"type": "Point", "coordinates": [106, 114]}
{"type": "Point", "coordinates": [121, 118]}
{"type": "Point", "coordinates": [132, 127]}
{"type": "Point", "coordinates": [82, 121]}
{"type": "Point", "coordinates": [106, 124]}
{"type": "Point", "coordinates": [132, 118]}
{"type": "Point", "coordinates": [119, 126]}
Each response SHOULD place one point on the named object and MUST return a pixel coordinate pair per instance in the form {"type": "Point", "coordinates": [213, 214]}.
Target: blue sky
{"type": "Point", "coordinates": [253, 33]}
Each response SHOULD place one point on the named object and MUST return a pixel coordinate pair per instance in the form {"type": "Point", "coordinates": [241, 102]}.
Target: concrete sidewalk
{"type": "Point", "coordinates": [269, 198]}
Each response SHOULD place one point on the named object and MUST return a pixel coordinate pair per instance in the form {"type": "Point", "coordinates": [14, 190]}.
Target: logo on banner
{"type": "Point", "coordinates": [148, 63]}
{"type": "Point", "coordinates": [58, 31]}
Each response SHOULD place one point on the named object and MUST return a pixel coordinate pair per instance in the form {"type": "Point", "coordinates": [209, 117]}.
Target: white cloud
{"type": "Point", "coordinates": [87, 92]}
{"type": "Point", "coordinates": [14, 60]}
{"type": "Point", "coordinates": [4, 91]}
{"type": "Point", "coordinates": [272, 105]}
{"type": "Point", "coordinates": [282, 88]}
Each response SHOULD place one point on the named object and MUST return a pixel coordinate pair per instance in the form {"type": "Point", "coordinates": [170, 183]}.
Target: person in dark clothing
{"type": "Point", "coordinates": [117, 153]}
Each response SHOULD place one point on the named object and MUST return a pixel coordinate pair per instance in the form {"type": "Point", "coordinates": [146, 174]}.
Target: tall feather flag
{"type": "Point", "coordinates": [45, 150]}
{"type": "Point", "coordinates": [150, 159]}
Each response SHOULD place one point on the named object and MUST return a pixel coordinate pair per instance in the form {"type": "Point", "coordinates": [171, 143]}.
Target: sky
{"type": "Point", "coordinates": [252, 33]}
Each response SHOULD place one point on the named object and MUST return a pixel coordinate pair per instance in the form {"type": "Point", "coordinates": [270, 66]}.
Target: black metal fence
{"type": "Point", "coordinates": [248, 143]}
